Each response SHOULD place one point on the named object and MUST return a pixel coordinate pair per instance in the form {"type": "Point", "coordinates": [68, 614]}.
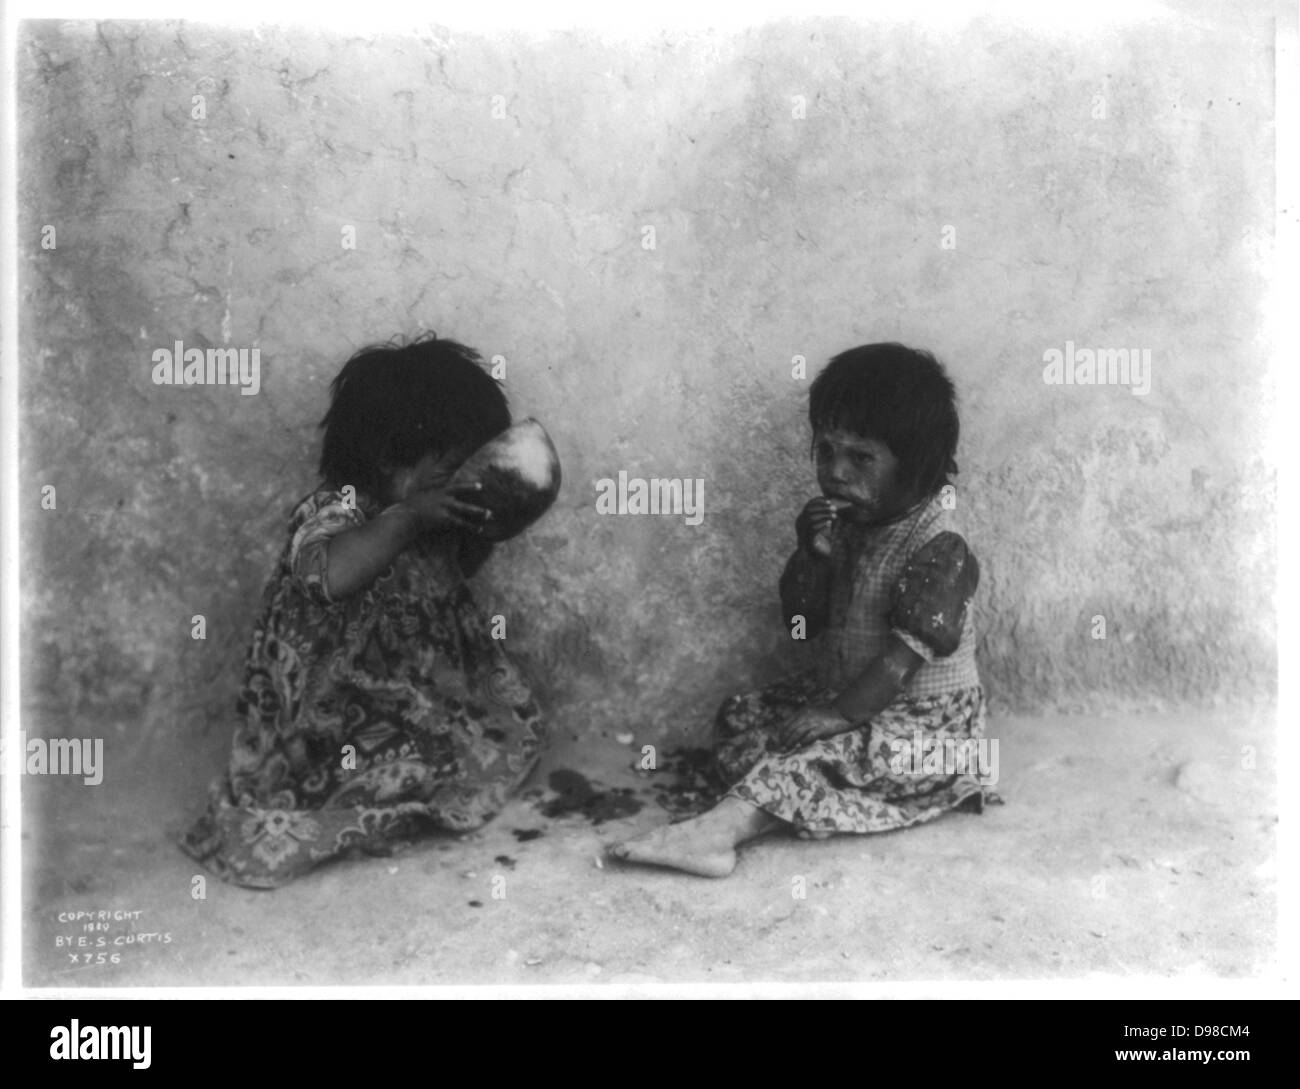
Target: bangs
{"type": "Point", "coordinates": [392, 405]}
{"type": "Point", "coordinates": [898, 395]}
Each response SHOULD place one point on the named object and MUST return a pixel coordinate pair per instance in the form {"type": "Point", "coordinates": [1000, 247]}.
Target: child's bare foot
{"type": "Point", "coordinates": [687, 846]}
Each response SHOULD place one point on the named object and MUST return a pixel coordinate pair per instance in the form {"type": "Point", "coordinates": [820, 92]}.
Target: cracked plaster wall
{"type": "Point", "coordinates": [775, 236]}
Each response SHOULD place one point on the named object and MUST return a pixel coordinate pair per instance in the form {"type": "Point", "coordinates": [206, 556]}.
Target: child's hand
{"type": "Point", "coordinates": [817, 516]}
{"type": "Point", "coordinates": [813, 723]}
{"type": "Point", "coordinates": [441, 508]}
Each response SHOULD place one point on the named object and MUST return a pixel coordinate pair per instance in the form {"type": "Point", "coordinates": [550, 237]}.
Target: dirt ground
{"type": "Point", "coordinates": [1128, 846]}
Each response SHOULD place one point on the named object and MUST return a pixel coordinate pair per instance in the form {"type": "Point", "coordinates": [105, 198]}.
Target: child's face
{"type": "Point", "coordinates": [860, 469]}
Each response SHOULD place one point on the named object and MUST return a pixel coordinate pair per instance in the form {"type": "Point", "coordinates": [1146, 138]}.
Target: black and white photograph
{"type": "Point", "coordinates": [706, 500]}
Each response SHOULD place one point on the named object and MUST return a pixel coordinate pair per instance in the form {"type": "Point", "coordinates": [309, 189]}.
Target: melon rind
{"type": "Point", "coordinates": [519, 471]}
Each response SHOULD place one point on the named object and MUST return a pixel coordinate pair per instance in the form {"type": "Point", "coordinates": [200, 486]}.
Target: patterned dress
{"type": "Point", "coordinates": [365, 720]}
{"type": "Point", "coordinates": [925, 753]}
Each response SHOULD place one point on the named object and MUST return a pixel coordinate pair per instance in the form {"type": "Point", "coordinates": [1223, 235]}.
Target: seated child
{"type": "Point", "coordinates": [885, 579]}
{"type": "Point", "coordinates": [375, 704]}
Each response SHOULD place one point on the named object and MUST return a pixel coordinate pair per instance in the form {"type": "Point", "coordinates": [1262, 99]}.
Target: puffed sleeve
{"type": "Point", "coordinates": [933, 594]}
{"type": "Point", "coordinates": [317, 519]}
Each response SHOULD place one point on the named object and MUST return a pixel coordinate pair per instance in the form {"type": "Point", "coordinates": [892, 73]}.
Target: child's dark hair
{"type": "Point", "coordinates": [393, 403]}
{"type": "Point", "coordinates": [901, 396]}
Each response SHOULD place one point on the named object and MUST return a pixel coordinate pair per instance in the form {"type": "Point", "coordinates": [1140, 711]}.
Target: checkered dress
{"type": "Point", "coordinates": [912, 578]}
{"type": "Point", "coordinates": [867, 563]}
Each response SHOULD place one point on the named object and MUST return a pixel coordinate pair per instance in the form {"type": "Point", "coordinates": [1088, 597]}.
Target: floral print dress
{"type": "Point", "coordinates": [920, 757]}
{"type": "Point", "coordinates": [366, 720]}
